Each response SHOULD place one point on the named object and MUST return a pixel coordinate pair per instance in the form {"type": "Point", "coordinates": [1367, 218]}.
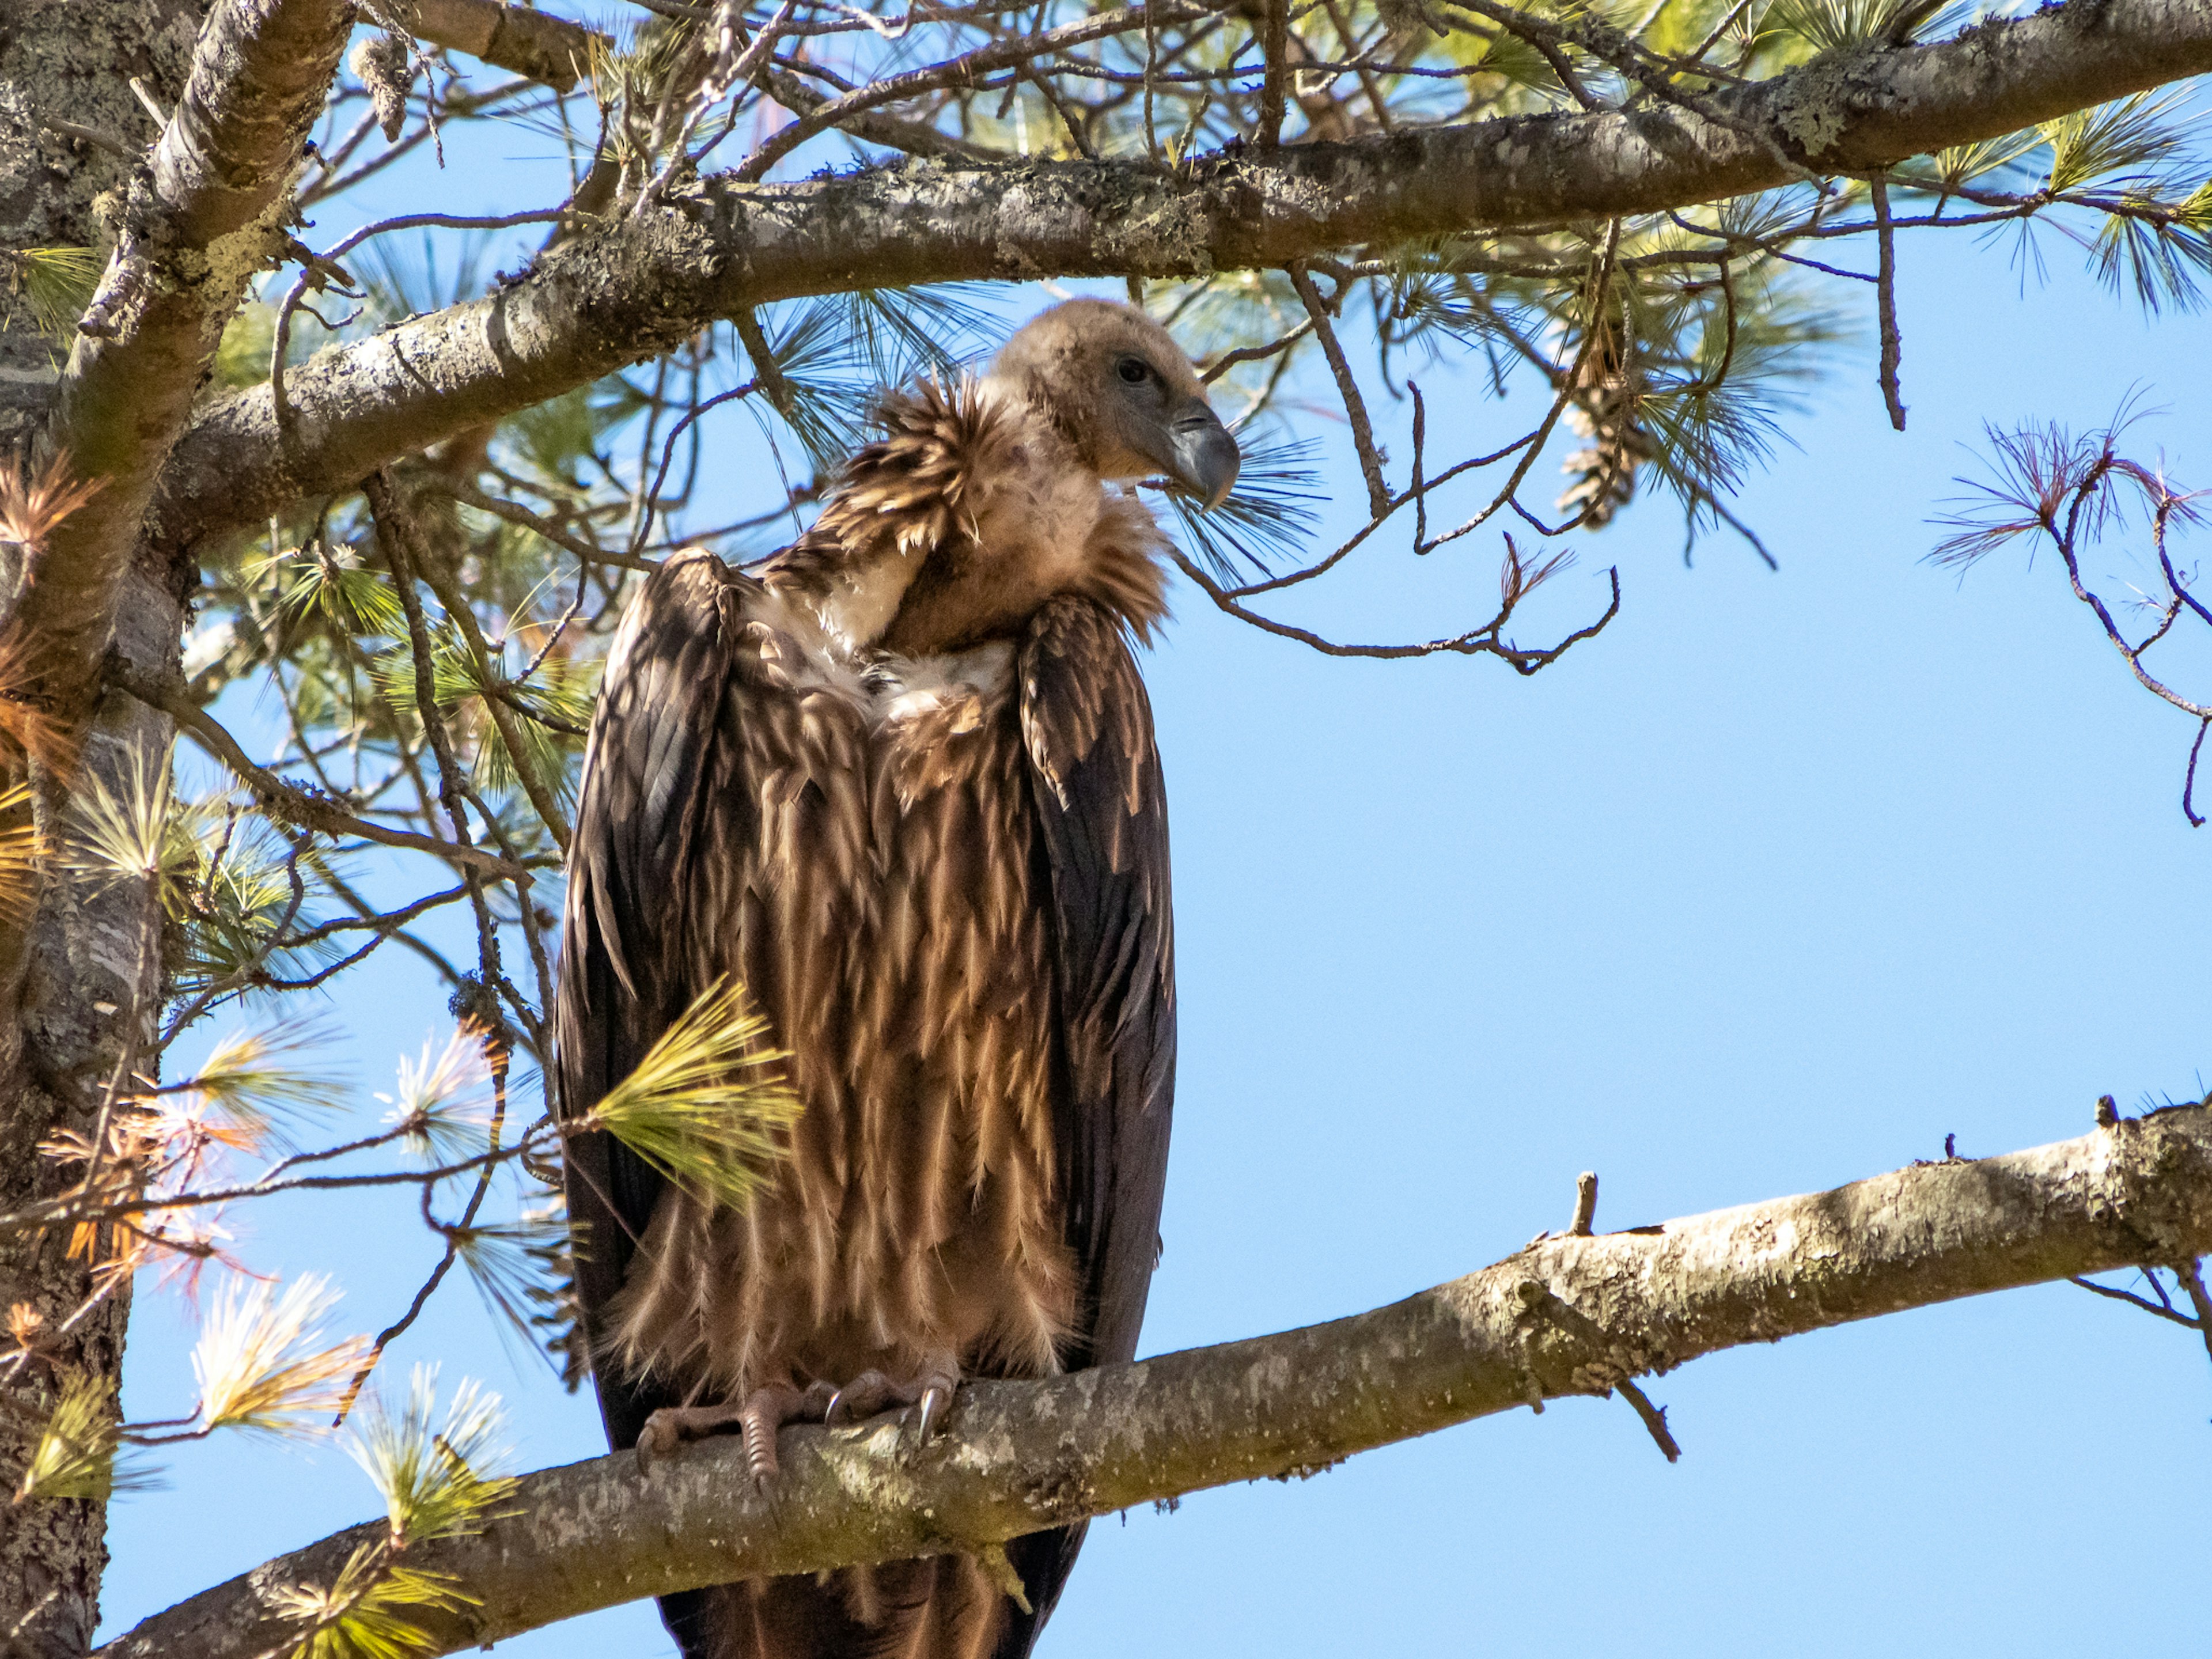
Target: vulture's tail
{"type": "Point", "coordinates": [943, 1607]}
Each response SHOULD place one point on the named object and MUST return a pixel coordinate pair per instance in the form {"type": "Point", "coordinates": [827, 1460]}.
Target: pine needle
{"type": "Point", "coordinates": [260, 1361]}
{"type": "Point", "coordinates": [703, 1107]}
{"type": "Point", "coordinates": [22, 852]}
{"type": "Point", "coordinates": [253, 1078]}
{"type": "Point", "coordinates": [126, 837]}
{"type": "Point", "coordinates": [76, 1455]}
{"type": "Point", "coordinates": [442, 1102]}
{"type": "Point", "coordinates": [1269, 514]}
{"type": "Point", "coordinates": [437, 1480]}
{"type": "Point", "coordinates": [360, 1616]}
{"type": "Point", "coordinates": [57, 284]}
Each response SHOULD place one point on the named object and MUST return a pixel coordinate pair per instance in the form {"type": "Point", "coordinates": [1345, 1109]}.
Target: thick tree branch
{"type": "Point", "coordinates": [1568, 1315]}
{"type": "Point", "coordinates": [599, 302]}
{"type": "Point", "coordinates": [204, 217]}
{"type": "Point", "coordinates": [532, 43]}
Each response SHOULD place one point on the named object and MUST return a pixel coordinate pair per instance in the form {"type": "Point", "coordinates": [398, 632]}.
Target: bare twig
{"type": "Point", "coordinates": [1893, 347]}
{"type": "Point", "coordinates": [1585, 1204]}
{"type": "Point", "coordinates": [1654, 1419]}
{"type": "Point", "coordinates": [1347, 388]}
{"type": "Point", "coordinates": [1275, 41]}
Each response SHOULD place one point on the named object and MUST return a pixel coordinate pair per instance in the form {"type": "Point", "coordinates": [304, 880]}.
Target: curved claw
{"type": "Point", "coordinates": [864, 1396]}
{"type": "Point", "coordinates": [936, 1401]}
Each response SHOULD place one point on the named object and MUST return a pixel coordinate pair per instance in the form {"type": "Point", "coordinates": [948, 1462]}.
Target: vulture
{"type": "Point", "coordinates": [899, 781]}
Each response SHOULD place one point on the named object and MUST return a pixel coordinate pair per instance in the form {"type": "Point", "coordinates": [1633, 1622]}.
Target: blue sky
{"type": "Point", "coordinates": [1779, 881]}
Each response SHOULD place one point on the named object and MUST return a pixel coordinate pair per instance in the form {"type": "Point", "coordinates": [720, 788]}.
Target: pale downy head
{"type": "Point", "coordinates": [982, 500]}
{"type": "Point", "coordinates": [1121, 391]}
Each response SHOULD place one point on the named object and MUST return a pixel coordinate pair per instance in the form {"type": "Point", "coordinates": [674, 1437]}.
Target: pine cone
{"type": "Point", "coordinates": [1607, 393]}
{"type": "Point", "coordinates": [1604, 472]}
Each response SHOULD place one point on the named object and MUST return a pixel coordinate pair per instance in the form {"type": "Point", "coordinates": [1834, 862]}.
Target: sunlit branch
{"type": "Point", "coordinates": [1567, 1316]}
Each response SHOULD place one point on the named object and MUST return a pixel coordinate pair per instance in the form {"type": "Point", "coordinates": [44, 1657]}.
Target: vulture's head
{"type": "Point", "coordinates": [1120, 389]}
{"type": "Point", "coordinates": [1087, 392]}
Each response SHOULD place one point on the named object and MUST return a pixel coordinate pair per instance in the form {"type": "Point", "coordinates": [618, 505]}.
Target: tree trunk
{"type": "Point", "coordinates": [84, 970]}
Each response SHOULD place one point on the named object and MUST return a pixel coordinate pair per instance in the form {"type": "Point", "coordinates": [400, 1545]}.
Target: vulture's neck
{"type": "Point", "coordinates": [952, 530]}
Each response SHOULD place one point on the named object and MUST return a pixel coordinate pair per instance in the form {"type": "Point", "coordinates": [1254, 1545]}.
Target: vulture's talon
{"type": "Point", "coordinates": [928, 1391]}
{"type": "Point", "coordinates": [757, 1418]}
{"type": "Point", "coordinates": [863, 1397]}
{"type": "Point", "coordinates": [936, 1401]}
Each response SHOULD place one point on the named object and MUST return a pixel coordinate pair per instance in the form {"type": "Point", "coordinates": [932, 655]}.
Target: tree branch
{"type": "Point", "coordinates": [532, 43]}
{"type": "Point", "coordinates": [1566, 1317]}
{"type": "Point", "coordinates": [205, 217]}
{"type": "Point", "coordinates": [279, 796]}
{"type": "Point", "coordinates": [628, 293]}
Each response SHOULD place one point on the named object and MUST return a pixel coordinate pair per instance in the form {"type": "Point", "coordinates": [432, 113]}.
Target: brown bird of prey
{"type": "Point", "coordinates": [900, 782]}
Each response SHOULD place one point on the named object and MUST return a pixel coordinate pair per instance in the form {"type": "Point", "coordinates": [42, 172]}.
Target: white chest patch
{"type": "Point", "coordinates": [900, 688]}
{"type": "Point", "coordinates": [886, 688]}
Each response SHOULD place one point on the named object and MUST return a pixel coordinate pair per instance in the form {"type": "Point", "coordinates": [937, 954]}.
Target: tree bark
{"type": "Point", "coordinates": [80, 976]}
{"type": "Point", "coordinates": [601, 301]}
{"type": "Point", "coordinates": [69, 61]}
{"type": "Point", "coordinates": [1567, 1316]}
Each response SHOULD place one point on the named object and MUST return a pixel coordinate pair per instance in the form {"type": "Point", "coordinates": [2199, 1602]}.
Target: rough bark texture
{"type": "Point", "coordinates": [81, 981]}
{"type": "Point", "coordinates": [627, 293]}
{"type": "Point", "coordinates": [63, 60]}
{"type": "Point", "coordinates": [207, 214]}
{"type": "Point", "coordinates": [1568, 1315]}
{"type": "Point", "coordinates": [547, 49]}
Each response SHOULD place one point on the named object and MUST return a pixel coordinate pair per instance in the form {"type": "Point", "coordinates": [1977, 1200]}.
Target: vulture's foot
{"type": "Point", "coordinates": [929, 1391]}
{"type": "Point", "coordinates": [757, 1418]}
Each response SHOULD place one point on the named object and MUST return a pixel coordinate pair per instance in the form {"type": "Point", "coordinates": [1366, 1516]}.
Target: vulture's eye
{"type": "Point", "coordinates": [1134, 371]}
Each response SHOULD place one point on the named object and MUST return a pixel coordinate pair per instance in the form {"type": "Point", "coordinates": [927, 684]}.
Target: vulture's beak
{"type": "Point", "coordinates": [1206, 459]}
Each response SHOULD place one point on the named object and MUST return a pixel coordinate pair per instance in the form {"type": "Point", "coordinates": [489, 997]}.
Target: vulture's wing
{"type": "Point", "coordinates": [1096, 772]}
{"type": "Point", "coordinates": [651, 816]}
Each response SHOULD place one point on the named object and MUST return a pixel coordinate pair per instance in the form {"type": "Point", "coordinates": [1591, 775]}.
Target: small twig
{"type": "Point", "coordinates": [2189, 781]}
{"type": "Point", "coordinates": [1355, 407]}
{"type": "Point", "coordinates": [1655, 1420]}
{"type": "Point", "coordinates": [1585, 1204]}
{"type": "Point", "coordinates": [1076, 136]}
{"type": "Point", "coordinates": [1228, 360]}
{"type": "Point", "coordinates": [146, 101]}
{"type": "Point", "coordinates": [962, 72]}
{"type": "Point", "coordinates": [538, 788]}
{"type": "Point", "coordinates": [746, 321]}
{"type": "Point", "coordinates": [2193, 1281]}
{"type": "Point", "coordinates": [2116, 1294]}
{"type": "Point", "coordinates": [1893, 346]}
{"type": "Point", "coordinates": [651, 505]}
{"type": "Point", "coordinates": [1476, 641]}
{"type": "Point", "coordinates": [515, 513]}
{"type": "Point", "coordinates": [1274, 45]}
{"type": "Point", "coordinates": [94, 137]}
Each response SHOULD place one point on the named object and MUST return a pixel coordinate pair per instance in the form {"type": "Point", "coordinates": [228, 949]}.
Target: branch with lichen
{"type": "Point", "coordinates": [200, 221]}
{"type": "Point", "coordinates": [1570, 1315]}
{"type": "Point", "coordinates": [719, 245]}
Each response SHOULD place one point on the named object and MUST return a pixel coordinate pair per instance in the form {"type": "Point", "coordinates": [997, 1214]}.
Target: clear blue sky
{"type": "Point", "coordinates": [1781, 880]}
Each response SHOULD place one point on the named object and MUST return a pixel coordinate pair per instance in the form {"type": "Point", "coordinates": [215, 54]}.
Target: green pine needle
{"type": "Point", "coordinates": [57, 283]}
{"type": "Point", "coordinates": [704, 1107]}
{"type": "Point", "coordinates": [437, 1480]}
{"type": "Point", "coordinates": [76, 1452]}
{"type": "Point", "coordinates": [360, 1616]}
